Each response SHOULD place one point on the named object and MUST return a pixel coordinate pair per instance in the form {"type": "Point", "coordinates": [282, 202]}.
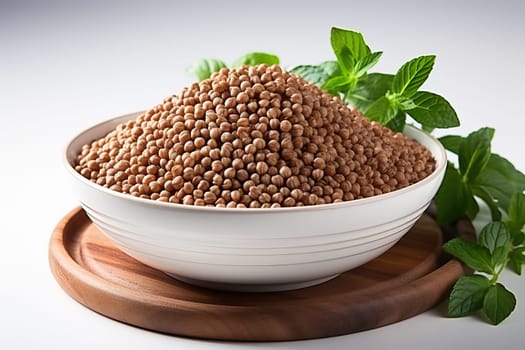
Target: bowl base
{"type": "Point", "coordinates": [252, 288]}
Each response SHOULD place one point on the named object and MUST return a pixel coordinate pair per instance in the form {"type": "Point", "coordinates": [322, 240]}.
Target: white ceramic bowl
{"type": "Point", "coordinates": [253, 249]}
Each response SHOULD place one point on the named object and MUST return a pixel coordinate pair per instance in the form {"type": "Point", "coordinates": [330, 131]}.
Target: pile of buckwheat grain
{"type": "Point", "coordinates": [256, 136]}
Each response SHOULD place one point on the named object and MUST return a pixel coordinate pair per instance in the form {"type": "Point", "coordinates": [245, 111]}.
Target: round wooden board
{"type": "Point", "coordinates": [408, 279]}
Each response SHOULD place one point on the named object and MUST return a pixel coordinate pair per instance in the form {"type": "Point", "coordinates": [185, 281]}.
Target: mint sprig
{"type": "Point", "coordinates": [428, 109]}
{"type": "Point", "coordinates": [386, 98]}
{"type": "Point", "coordinates": [488, 255]}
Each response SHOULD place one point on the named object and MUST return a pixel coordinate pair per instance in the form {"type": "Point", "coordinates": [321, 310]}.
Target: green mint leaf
{"type": "Point", "coordinates": [318, 74]}
{"type": "Point", "coordinates": [452, 198]}
{"type": "Point", "coordinates": [368, 89]}
{"type": "Point", "coordinates": [516, 218]}
{"type": "Point", "coordinates": [483, 194]}
{"type": "Point", "coordinates": [494, 235]}
{"type": "Point", "coordinates": [364, 64]}
{"type": "Point", "coordinates": [467, 295]}
{"type": "Point", "coordinates": [517, 259]}
{"type": "Point", "coordinates": [473, 254]}
{"type": "Point", "coordinates": [398, 122]}
{"type": "Point", "coordinates": [346, 61]}
{"type": "Point", "coordinates": [204, 68]}
{"type": "Point", "coordinates": [254, 58]}
{"type": "Point", "coordinates": [501, 179]}
{"type": "Point", "coordinates": [405, 103]}
{"type": "Point", "coordinates": [518, 237]}
{"type": "Point", "coordinates": [349, 47]}
{"type": "Point", "coordinates": [516, 212]}
{"type": "Point", "coordinates": [496, 238]}
{"type": "Point", "coordinates": [432, 110]}
{"type": "Point", "coordinates": [427, 128]}
{"type": "Point", "coordinates": [500, 256]}
{"type": "Point", "coordinates": [381, 111]}
{"type": "Point", "coordinates": [412, 75]}
{"type": "Point", "coordinates": [451, 142]}
{"type": "Point", "coordinates": [472, 205]}
{"type": "Point", "coordinates": [474, 153]}
{"type": "Point", "coordinates": [337, 84]}
{"type": "Point", "coordinates": [498, 303]}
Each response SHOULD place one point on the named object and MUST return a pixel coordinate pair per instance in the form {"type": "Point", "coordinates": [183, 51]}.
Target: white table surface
{"type": "Point", "coordinates": [66, 66]}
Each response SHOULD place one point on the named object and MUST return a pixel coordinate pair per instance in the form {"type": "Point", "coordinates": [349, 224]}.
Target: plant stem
{"type": "Point", "coordinates": [495, 276]}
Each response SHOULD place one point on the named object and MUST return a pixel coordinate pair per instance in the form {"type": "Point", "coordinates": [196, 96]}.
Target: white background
{"type": "Point", "coordinates": [65, 66]}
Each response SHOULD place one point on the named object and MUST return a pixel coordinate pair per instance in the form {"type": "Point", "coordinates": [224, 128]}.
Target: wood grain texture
{"type": "Point", "coordinates": [408, 279]}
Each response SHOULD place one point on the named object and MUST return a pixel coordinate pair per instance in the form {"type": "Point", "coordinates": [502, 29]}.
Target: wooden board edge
{"type": "Point", "coordinates": [95, 294]}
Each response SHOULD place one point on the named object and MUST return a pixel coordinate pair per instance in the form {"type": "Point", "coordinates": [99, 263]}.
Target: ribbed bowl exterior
{"type": "Point", "coordinates": [254, 249]}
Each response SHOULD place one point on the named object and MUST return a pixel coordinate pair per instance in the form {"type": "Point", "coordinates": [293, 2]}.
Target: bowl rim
{"type": "Point", "coordinates": [440, 157]}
